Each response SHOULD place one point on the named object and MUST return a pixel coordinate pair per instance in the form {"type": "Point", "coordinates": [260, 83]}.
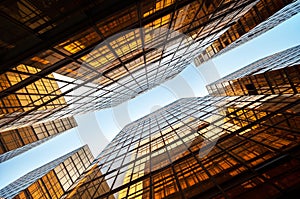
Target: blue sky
{"type": "Point", "coordinates": [189, 83]}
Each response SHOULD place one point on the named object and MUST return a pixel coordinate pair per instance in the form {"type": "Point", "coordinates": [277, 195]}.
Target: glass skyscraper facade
{"type": "Point", "coordinates": [206, 147]}
{"type": "Point", "coordinates": [276, 74]}
{"type": "Point", "coordinates": [96, 55]}
{"type": "Point", "coordinates": [52, 179]}
{"type": "Point", "coordinates": [265, 15]}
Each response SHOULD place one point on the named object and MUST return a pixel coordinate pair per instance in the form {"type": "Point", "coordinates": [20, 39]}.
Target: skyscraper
{"type": "Point", "coordinates": [100, 54]}
{"type": "Point", "coordinates": [209, 147]}
{"type": "Point", "coordinates": [275, 74]}
{"type": "Point", "coordinates": [206, 147]}
{"type": "Point", "coordinates": [52, 179]}
{"type": "Point", "coordinates": [16, 141]}
{"type": "Point", "coordinates": [262, 17]}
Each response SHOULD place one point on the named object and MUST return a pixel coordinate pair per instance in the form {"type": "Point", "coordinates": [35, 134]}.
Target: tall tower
{"type": "Point", "coordinates": [52, 179]}
{"type": "Point", "coordinates": [262, 17]}
{"type": "Point", "coordinates": [275, 74]}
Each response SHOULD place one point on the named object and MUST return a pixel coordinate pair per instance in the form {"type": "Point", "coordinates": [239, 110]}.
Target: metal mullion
{"type": "Point", "coordinates": [42, 183]}
{"type": "Point", "coordinates": [67, 171]}
{"type": "Point", "coordinates": [261, 88]}
{"type": "Point", "coordinates": [172, 59]}
{"type": "Point", "coordinates": [129, 151]}
{"type": "Point", "coordinates": [31, 102]}
{"type": "Point", "coordinates": [49, 101]}
{"type": "Point", "coordinates": [211, 178]}
{"type": "Point", "coordinates": [166, 39]}
{"type": "Point", "coordinates": [117, 82]}
{"type": "Point", "coordinates": [171, 163]}
{"type": "Point", "coordinates": [190, 171]}
{"type": "Point", "coordinates": [250, 168]}
{"type": "Point", "coordinates": [3, 146]}
{"type": "Point", "coordinates": [242, 6]}
{"type": "Point", "coordinates": [71, 160]}
{"type": "Point", "coordinates": [267, 7]}
{"type": "Point", "coordinates": [34, 133]}
{"type": "Point", "coordinates": [140, 54]}
{"type": "Point", "coordinates": [20, 137]}
{"type": "Point", "coordinates": [231, 86]}
{"type": "Point", "coordinates": [96, 19]}
{"type": "Point", "coordinates": [59, 182]}
{"type": "Point", "coordinates": [32, 11]}
{"type": "Point", "coordinates": [35, 77]}
{"type": "Point", "coordinates": [150, 163]}
{"type": "Point", "coordinates": [201, 164]}
{"type": "Point", "coordinates": [45, 87]}
{"type": "Point", "coordinates": [64, 125]}
{"type": "Point", "coordinates": [118, 58]}
{"type": "Point", "coordinates": [197, 12]}
{"type": "Point", "coordinates": [139, 8]}
{"type": "Point", "coordinates": [246, 127]}
{"type": "Point", "coordinates": [27, 193]}
{"type": "Point", "coordinates": [30, 80]}
{"type": "Point", "coordinates": [96, 188]}
{"type": "Point", "coordinates": [45, 77]}
{"type": "Point", "coordinates": [75, 30]}
{"type": "Point", "coordinates": [85, 65]}
{"type": "Point", "coordinates": [216, 9]}
{"type": "Point", "coordinates": [12, 94]}
{"type": "Point", "coordinates": [46, 129]}
{"type": "Point", "coordinates": [131, 174]}
{"type": "Point", "coordinates": [81, 63]}
{"type": "Point", "coordinates": [265, 145]}
{"type": "Point", "coordinates": [240, 161]}
{"type": "Point", "coordinates": [290, 80]}
{"type": "Point", "coordinates": [128, 184]}
{"type": "Point", "coordinates": [282, 109]}
{"type": "Point", "coordinates": [282, 128]}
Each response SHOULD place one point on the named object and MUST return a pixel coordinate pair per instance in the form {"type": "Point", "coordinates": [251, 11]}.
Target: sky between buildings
{"type": "Point", "coordinates": [98, 128]}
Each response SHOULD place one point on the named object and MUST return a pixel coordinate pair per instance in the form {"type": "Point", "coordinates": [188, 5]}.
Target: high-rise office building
{"type": "Point", "coordinates": [276, 74]}
{"type": "Point", "coordinates": [52, 179]}
{"type": "Point", "coordinates": [101, 54]}
{"type": "Point", "coordinates": [265, 15]}
{"type": "Point", "coordinates": [206, 147]}
{"type": "Point", "coordinates": [16, 141]}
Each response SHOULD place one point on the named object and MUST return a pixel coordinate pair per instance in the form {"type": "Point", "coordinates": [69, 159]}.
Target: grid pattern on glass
{"type": "Point", "coordinates": [52, 179]}
{"type": "Point", "coordinates": [31, 95]}
{"type": "Point", "coordinates": [28, 97]}
{"type": "Point", "coordinates": [262, 17]}
{"type": "Point", "coordinates": [118, 69]}
{"type": "Point", "coordinates": [257, 14]}
{"type": "Point", "coordinates": [210, 147]}
{"type": "Point", "coordinates": [277, 18]}
{"type": "Point", "coordinates": [275, 74]}
{"type": "Point", "coordinates": [17, 141]}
